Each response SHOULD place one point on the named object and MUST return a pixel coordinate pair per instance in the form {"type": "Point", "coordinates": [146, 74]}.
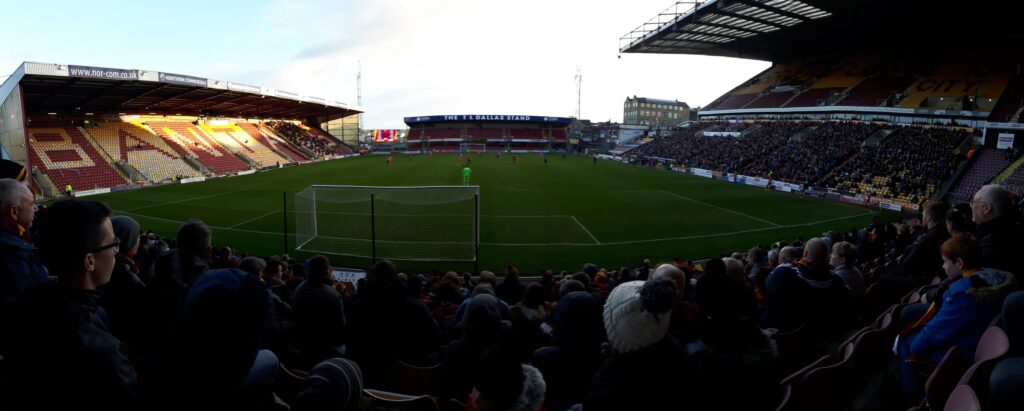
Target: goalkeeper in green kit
{"type": "Point", "coordinates": [465, 175]}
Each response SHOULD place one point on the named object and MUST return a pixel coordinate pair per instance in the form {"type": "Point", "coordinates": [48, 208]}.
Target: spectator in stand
{"type": "Point", "coordinates": [318, 314]}
{"type": "Point", "coordinates": [922, 262]}
{"type": "Point", "coordinates": [174, 272]}
{"type": "Point", "coordinates": [333, 385]}
{"type": "Point", "coordinates": [686, 317]}
{"type": "Point", "coordinates": [58, 352]}
{"type": "Point", "coordinates": [958, 220]}
{"type": "Point", "coordinates": [386, 324]}
{"type": "Point", "coordinates": [570, 286]}
{"type": "Point", "coordinates": [20, 267]}
{"type": "Point", "coordinates": [529, 321]}
{"type": "Point", "coordinates": [789, 255]}
{"type": "Point", "coordinates": [759, 268]}
{"type": "Point", "coordinates": [273, 277]}
{"type": "Point", "coordinates": [569, 365]}
{"type": "Point", "coordinates": [482, 329]}
{"type": "Point", "coordinates": [502, 383]}
{"type": "Point", "coordinates": [1000, 237]}
{"type": "Point", "coordinates": [122, 296]}
{"type": "Point", "coordinates": [253, 266]}
{"type": "Point", "coordinates": [224, 257]}
{"type": "Point", "coordinates": [215, 361]}
{"type": "Point", "coordinates": [447, 302]}
{"type": "Point", "coordinates": [959, 318]}
{"type": "Point", "coordinates": [511, 288]}
{"type": "Point", "coordinates": [643, 357]}
{"type": "Point", "coordinates": [843, 262]}
{"type": "Point", "coordinates": [807, 293]}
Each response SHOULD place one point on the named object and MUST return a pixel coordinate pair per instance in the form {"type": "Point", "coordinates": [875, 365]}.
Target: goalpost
{"type": "Point", "coordinates": [430, 223]}
{"type": "Point", "coordinates": [472, 147]}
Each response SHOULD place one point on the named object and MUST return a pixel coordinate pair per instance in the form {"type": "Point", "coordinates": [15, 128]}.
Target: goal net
{"type": "Point", "coordinates": [434, 223]}
{"type": "Point", "coordinates": [472, 147]}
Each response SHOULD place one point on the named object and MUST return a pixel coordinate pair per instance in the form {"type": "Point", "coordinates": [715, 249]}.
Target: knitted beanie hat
{"type": "Point", "coordinates": [637, 314]}
{"type": "Point", "coordinates": [334, 384]}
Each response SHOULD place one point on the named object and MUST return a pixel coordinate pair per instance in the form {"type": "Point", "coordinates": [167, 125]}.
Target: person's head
{"type": "Point", "coordinates": [583, 278]}
{"type": "Point", "coordinates": [488, 278]}
{"type": "Point", "coordinates": [127, 231]}
{"type": "Point", "coordinates": [957, 220]}
{"type": "Point", "coordinates": [578, 322]}
{"type": "Point", "coordinates": [77, 243]}
{"type": "Point", "coordinates": [254, 266]}
{"type": "Point", "coordinates": [773, 257]}
{"type": "Point", "coordinates": [816, 252]}
{"type": "Point", "coordinates": [318, 267]}
{"type": "Point", "coordinates": [637, 314]}
{"type": "Point", "coordinates": [734, 270]}
{"type": "Point", "coordinates": [990, 202]}
{"type": "Point", "coordinates": [275, 268]}
{"type": "Point", "coordinates": [960, 253]}
{"type": "Point", "coordinates": [590, 270]}
{"type": "Point", "coordinates": [789, 255]}
{"type": "Point", "coordinates": [449, 293]}
{"type": "Point", "coordinates": [452, 278]}
{"type": "Point", "coordinates": [756, 256]}
{"type": "Point", "coordinates": [934, 213]}
{"type": "Point", "coordinates": [335, 384]}
{"type": "Point", "coordinates": [843, 253]}
{"type": "Point", "coordinates": [534, 295]}
{"type": "Point", "coordinates": [501, 382]}
{"type": "Point", "coordinates": [384, 272]}
{"type": "Point", "coordinates": [672, 273]}
{"type": "Point", "coordinates": [195, 237]}
{"type": "Point", "coordinates": [17, 203]}
{"type": "Point", "coordinates": [483, 288]}
{"type": "Point", "coordinates": [569, 286]}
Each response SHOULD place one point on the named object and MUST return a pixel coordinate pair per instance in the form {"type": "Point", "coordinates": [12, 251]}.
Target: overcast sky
{"type": "Point", "coordinates": [419, 57]}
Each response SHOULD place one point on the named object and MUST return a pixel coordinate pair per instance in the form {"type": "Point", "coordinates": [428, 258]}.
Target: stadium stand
{"type": "Point", "coordinates": [69, 158]}
{"type": "Point", "coordinates": [189, 140]}
{"type": "Point", "coordinates": [238, 141]}
{"type": "Point", "coordinates": [318, 142]}
{"type": "Point", "coordinates": [986, 164]}
{"type": "Point", "coordinates": [146, 152]}
{"type": "Point", "coordinates": [268, 139]}
{"type": "Point", "coordinates": [909, 165]}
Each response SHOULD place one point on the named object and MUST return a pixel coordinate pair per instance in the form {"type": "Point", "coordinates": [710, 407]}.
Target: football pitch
{"type": "Point", "coordinates": [535, 216]}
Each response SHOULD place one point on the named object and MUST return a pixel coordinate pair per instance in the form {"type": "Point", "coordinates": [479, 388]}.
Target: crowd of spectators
{"type": "Point", "coordinates": [910, 164]}
{"type": "Point", "coordinates": [135, 321]}
{"type": "Point", "coordinates": [302, 138]}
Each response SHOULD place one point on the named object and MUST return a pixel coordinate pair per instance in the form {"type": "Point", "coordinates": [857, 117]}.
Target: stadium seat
{"type": "Point", "coordinates": [943, 379]}
{"type": "Point", "coordinates": [963, 398]}
{"type": "Point", "coordinates": [189, 140]}
{"type": "Point", "coordinates": [66, 156]}
{"type": "Point", "coordinates": [396, 401]}
{"type": "Point", "coordinates": [410, 379]}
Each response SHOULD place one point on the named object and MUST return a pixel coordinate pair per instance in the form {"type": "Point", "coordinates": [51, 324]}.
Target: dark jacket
{"type": "Point", "coordinates": [569, 367]}
{"type": "Point", "coordinates": [174, 271]}
{"type": "Point", "coordinates": [121, 298]}
{"type": "Point", "coordinates": [482, 329]}
{"type": "Point", "coordinates": [1001, 244]}
{"type": "Point", "coordinates": [510, 291]}
{"type": "Point", "coordinates": [20, 266]}
{"type": "Point", "coordinates": [652, 378]}
{"type": "Point", "coordinates": [60, 355]}
{"type": "Point", "coordinates": [804, 294]}
{"type": "Point", "coordinates": [968, 306]}
{"type": "Point", "coordinates": [385, 324]}
{"type": "Point", "coordinates": [923, 261]}
{"type": "Point", "coordinates": [318, 319]}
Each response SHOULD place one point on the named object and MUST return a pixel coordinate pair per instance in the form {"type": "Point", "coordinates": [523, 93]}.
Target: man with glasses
{"type": "Point", "coordinates": [60, 354]}
{"type": "Point", "coordinates": [20, 267]}
{"type": "Point", "coordinates": [997, 231]}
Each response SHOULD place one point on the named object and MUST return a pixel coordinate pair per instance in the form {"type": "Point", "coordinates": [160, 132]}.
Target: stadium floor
{"type": "Point", "coordinates": [534, 216]}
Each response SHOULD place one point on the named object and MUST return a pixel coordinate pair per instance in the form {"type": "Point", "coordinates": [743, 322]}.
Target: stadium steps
{"type": "Point", "coordinates": [44, 184]}
{"type": "Point", "coordinates": [1008, 172]}
{"type": "Point", "coordinates": [103, 153]}
{"type": "Point", "coordinates": [878, 137]}
{"type": "Point", "coordinates": [132, 173]}
{"type": "Point", "coordinates": [800, 134]}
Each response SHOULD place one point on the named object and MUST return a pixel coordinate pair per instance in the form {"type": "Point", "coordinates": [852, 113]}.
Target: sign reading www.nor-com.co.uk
{"type": "Point", "coordinates": [103, 72]}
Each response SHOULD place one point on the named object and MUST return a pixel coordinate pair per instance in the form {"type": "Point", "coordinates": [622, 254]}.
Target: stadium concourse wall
{"type": "Point", "coordinates": [783, 186]}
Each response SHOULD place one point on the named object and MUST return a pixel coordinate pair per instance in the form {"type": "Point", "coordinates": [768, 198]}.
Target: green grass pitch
{"type": "Point", "coordinates": [557, 216]}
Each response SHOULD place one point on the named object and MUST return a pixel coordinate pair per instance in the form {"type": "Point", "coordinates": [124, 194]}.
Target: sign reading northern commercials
{"type": "Point", "coordinates": [103, 72]}
{"type": "Point", "coordinates": [183, 79]}
{"type": "Point", "coordinates": [454, 118]}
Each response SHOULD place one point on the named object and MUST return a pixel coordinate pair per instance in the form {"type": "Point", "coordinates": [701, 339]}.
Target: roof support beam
{"type": "Point", "coordinates": [774, 10]}
{"type": "Point", "coordinates": [748, 18]}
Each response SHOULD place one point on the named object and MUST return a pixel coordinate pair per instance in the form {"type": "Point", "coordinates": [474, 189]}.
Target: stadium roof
{"type": "Point", "coordinates": [773, 29]}
{"type": "Point", "coordinates": [70, 89]}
